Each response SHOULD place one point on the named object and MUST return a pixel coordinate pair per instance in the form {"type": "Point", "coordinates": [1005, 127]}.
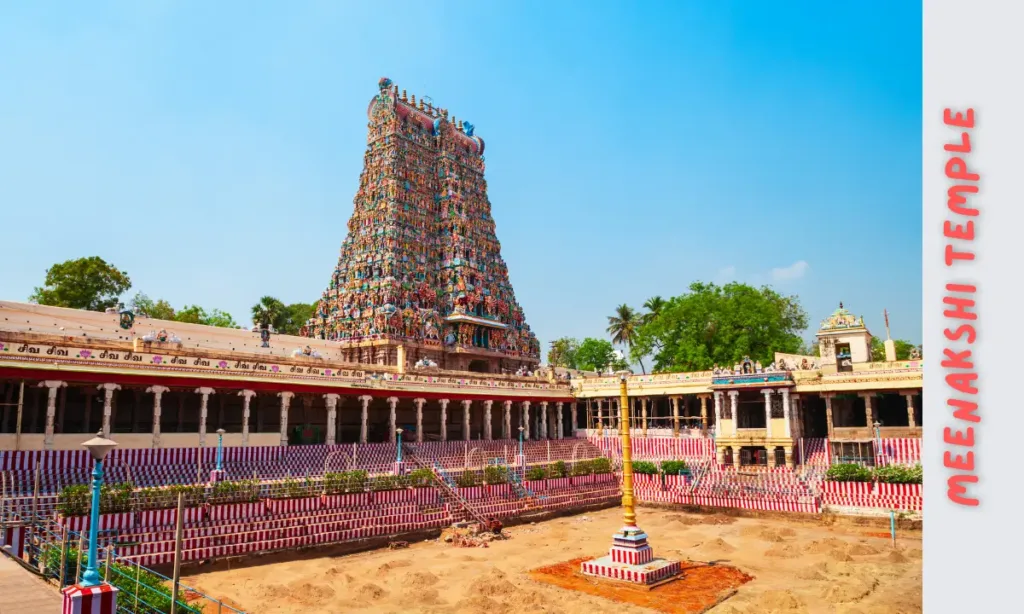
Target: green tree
{"type": "Point", "coordinates": [713, 324]}
{"type": "Point", "coordinates": [903, 349]}
{"type": "Point", "coordinates": [654, 305]}
{"type": "Point", "coordinates": [86, 283]}
{"type": "Point", "coordinates": [563, 353]}
{"type": "Point", "coordinates": [624, 328]}
{"type": "Point", "coordinates": [194, 314]}
{"type": "Point", "coordinates": [270, 312]}
{"type": "Point", "coordinates": [160, 309]}
{"type": "Point", "coordinates": [220, 318]}
{"type": "Point", "coordinates": [296, 316]}
{"type": "Point", "coordinates": [595, 355]}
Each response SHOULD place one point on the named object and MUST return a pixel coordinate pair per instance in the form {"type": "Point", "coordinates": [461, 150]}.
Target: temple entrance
{"type": "Point", "coordinates": [815, 419]}
{"type": "Point", "coordinates": [479, 366]}
{"type": "Point", "coordinates": [753, 456]}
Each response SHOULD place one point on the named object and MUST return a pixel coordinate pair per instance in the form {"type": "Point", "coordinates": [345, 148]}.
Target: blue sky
{"type": "Point", "coordinates": [212, 150]}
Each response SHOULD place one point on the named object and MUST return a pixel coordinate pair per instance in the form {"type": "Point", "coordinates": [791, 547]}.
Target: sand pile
{"type": "Point", "coordinates": [783, 551]}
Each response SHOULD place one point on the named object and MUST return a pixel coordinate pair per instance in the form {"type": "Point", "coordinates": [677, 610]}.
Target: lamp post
{"type": "Point", "coordinates": [521, 429]}
{"type": "Point", "coordinates": [399, 433]}
{"type": "Point", "coordinates": [220, 450]}
{"type": "Point", "coordinates": [98, 448]}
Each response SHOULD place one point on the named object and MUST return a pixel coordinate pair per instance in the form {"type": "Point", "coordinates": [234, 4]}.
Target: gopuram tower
{"type": "Point", "coordinates": [420, 281]}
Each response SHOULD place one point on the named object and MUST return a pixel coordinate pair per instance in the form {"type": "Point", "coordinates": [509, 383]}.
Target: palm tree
{"type": "Point", "coordinates": [654, 306]}
{"type": "Point", "coordinates": [267, 312]}
{"type": "Point", "coordinates": [623, 328]}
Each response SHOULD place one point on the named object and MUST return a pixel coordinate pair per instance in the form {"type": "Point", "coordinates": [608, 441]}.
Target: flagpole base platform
{"type": "Point", "coordinates": [631, 559]}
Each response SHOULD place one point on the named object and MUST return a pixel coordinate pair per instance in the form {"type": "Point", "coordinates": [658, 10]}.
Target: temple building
{"type": "Point", "coordinates": [420, 280]}
{"type": "Point", "coordinates": [759, 415]}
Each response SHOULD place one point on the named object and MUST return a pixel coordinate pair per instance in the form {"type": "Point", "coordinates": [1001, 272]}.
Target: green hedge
{"type": "Point", "coordinates": [890, 474]}
{"type": "Point", "coordinates": [673, 467]}
{"type": "Point", "coordinates": [495, 474]}
{"type": "Point", "coordinates": [645, 468]}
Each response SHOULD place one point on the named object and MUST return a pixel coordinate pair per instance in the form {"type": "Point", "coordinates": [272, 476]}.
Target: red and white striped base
{"type": "Point", "coordinates": [655, 571]}
{"type": "Point", "coordinates": [100, 599]}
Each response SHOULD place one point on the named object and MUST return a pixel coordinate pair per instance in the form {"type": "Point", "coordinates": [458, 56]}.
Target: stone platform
{"type": "Point", "coordinates": [650, 573]}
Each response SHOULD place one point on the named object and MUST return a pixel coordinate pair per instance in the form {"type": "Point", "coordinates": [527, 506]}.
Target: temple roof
{"type": "Point", "coordinates": [841, 319]}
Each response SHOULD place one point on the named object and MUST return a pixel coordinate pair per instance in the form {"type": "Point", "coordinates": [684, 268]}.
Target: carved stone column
{"type": "Point", "coordinates": [600, 415]}
{"type": "Point", "coordinates": [911, 420]}
{"type": "Point", "coordinates": [392, 418]}
{"type": "Point", "coordinates": [675, 416]}
{"type": "Point", "coordinates": [786, 413]}
{"type": "Point", "coordinates": [869, 410]}
{"type": "Point", "coordinates": [286, 401]}
{"type": "Point", "coordinates": [572, 416]}
{"type": "Point", "coordinates": [52, 387]}
{"type": "Point", "coordinates": [558, 421]}
{"type": "Point", "coordinates": [419, 419]}
{"type": "Point", "coordinates": [734, 405]}
{"type": "Point", "coordinates": [718, 414]}
{"type": "Point", "coordinates": [767, 392]}
{"type": "Point", "coordinates": [643, 414]}
{"type": "Point", "coordinates": [465, 419]}
{"type": "Point", "coordinates": [543, 420]}
{"type": "Point", "coordinates": [247, 396]}
{"type": "Point", "coordinates": [444, 419]}
{"type": "Point", "coordinates": [487, 420]}
{"type": "Point", "coordinates": [506, 425]}
{"type": "Point", "coordinates": [331, 400]}
{"type": "Point", "coordinates": [704, 412]}
{"type": "Point", "coordinates": [158, 393]}
{"type": "Point", "coordinates": [526, 419]}
{"type": "Point", "coordinates": [204, 400]}
{"type": "Point", "coordinates": [828, 413]}
{"type": "Point", "coordinates": [108, 395]}
{"type": "Point", "coordinates": [364, 417]}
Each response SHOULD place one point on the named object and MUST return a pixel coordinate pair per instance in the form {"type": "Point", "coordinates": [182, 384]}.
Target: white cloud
{"type": "Point", "coordinates": [794, 271]}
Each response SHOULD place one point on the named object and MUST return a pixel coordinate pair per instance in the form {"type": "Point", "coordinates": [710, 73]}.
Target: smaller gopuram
{"type": "Point", "coordinates": [420, 282]}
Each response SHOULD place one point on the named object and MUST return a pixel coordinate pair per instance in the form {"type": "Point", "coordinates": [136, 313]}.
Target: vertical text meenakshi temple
{"type": "Point", "coordinates": [418, 361]}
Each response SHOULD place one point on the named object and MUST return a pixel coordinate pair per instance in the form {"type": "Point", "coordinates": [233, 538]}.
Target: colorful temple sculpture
{"type": "Point", "coordinates": [420, 282]}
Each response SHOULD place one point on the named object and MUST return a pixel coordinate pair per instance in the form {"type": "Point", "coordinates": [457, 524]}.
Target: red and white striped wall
{"type": "Point", "coordinates": [100, 599]}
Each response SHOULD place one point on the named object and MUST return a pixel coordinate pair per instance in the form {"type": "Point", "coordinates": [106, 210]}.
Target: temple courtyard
{"type": "Point", "coordinates": [783, 566]}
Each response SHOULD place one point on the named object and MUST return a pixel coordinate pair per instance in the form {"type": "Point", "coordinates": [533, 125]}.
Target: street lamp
{"type": "Point", "coordinates": [521, 429]}
{"type": "Point", "coordinates": [220, 449]}
{"type": "Point", "coordinates": [98, 448]}
{"type": "Point", "coordinates": [399, 433]}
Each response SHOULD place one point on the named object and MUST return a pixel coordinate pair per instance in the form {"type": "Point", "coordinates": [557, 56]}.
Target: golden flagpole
{"type": "Point", "coordinates": [627, 454]}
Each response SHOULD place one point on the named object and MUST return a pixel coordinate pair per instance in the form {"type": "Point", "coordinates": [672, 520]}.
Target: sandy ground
{"type": "Point", "coordinates": [796, 567]}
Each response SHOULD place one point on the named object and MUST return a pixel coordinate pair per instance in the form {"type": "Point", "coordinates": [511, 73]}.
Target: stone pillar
{"type": "Point", "coordinates": [600, 415]}
{"type": "Point", "coordinates": [526, 419]}
{"type": "Point", "coordinates": [720, 454]}
{"type": "Point", "coordinates": [770, 450]}
{"type": "Point", "coordinates": [506, 425]}
{"type": "Point", "coordinates": [392, 418]}
{"type": "Point", "coordinates": [543, 420]}
{"type": "Point", "coordinates": [734, 405]}
{"type": "Point", "coordinates": [869, 411]}
{"type": "Point", "coordinates": [444, 419]}
{"type": "Point", "coordinates": [108, 395]}
{"type": "Point", "coordinates": [572, 414]}
{"type": "Point", "coordinates": [786, 413]}
{"type": "Point", "coordinates": [247, 396]}
{"type": "Point", "coordinates": [364, 417]}
{"type": "Point", "coordinates": [558, 421]}
{"type": "Point", "coordinates": [465, 419]}
{"type": "Point", "coordinates": [286, 400]}
{"type": "Point", "coordinates": [704, 412]}
{"type": "Point", "coordinates": [158, 393]}
{"type": "Point", "coordinates": [718, 414]}
{"type": "Point", "coordinates": [487, 419]}
{"type": "Point", "coordinates": [675, 416]}
{"type": "Point", "coordinates": [419, 419]}
{"type": "Point", "coordinates": [828, 413]}
{"type": "Point", "coordinates": [798, 418]}
{"type": "Point", "coordinates": [643, 414]}
{"type": "Point", "coordinates": [789, 456]}
{"type": "Point", "coordinates": [767, 392]}
{"type": "Point", "coordinates": [331, 400]}
{"type": "Point", "coordinates": [735, 452]}
{"type": "Point", "coordinates": [52, 387]}
{"type": "Point", "coordinates": [911, 421]}
{"type": "Point", "coordinates": [205, 393]}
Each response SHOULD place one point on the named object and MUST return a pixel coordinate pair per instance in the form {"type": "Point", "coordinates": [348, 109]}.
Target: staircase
{"type": "Point", "coordinates": [514, 480]}
{"type": "Point", "coordinates": [445, 486]}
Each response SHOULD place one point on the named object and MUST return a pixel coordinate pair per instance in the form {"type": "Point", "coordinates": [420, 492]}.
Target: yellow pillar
{"type": "Point", "coordinates": [629, 514]}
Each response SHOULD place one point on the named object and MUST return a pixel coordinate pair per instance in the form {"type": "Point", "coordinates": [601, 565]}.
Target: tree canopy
{"type": "Point", "coordinates": [285, 319]}
{"type": "Point", "coordinates": [190, 314]}
{"type": "Point", "coordinates": [713, 324]}
{"type": "Point", "coordinates": [86, 283]}
{"type": "Point", "coordinates": [597, 355]}
{"type": "Point", "coordinates": [624, 327]}
{"type": "Point", "coordinates": [903, 349]}
{"type": "Point", "coordinates": [563, 353]}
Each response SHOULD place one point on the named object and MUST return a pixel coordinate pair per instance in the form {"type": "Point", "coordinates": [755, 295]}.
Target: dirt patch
{"type": "Point", "coordinates": [701, 587]}
{"type": "Point", "coordinates": [717, 519]}
{"type": "Point", "coordinates": [773, 602]}
{"type": "Point", "coordinates": [782, 551]}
